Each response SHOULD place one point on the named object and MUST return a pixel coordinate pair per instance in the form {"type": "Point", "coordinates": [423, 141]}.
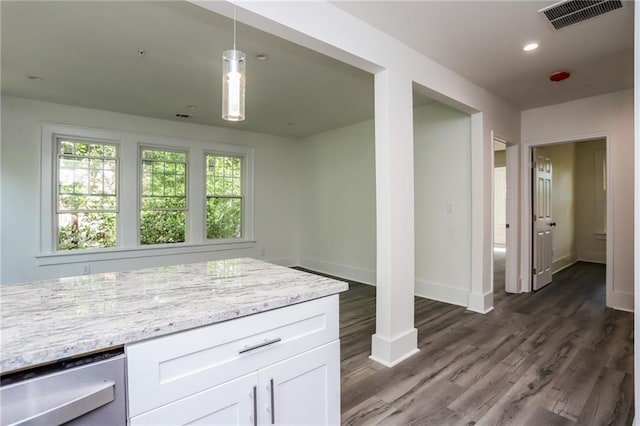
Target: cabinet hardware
{"type": "Point", "coordinates": [259, 345]}
{"type": "Point", "coordinates": [255, 406]}
{"type": "Point", "coordinates": [273, 408]}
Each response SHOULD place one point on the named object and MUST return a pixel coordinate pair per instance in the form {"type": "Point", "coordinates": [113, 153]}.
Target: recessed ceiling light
{"type": "Point", "coordinates": [262, 56]}
{"type": "Point", "coordinates": [35, 78]}
{"type": "Point", "coordinates": [192, 107]}
{"type": "Point", "coordinates": [529, 47]}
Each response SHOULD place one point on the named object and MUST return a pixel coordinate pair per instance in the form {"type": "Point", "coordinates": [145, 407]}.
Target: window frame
{"type": "Point", "coordinates": [57, 138]}
{"type": "Point", "coordinates": [244, 186]}
{"type": "Point", "coordinates": [140, 171]}
{"type": "Point", "coordinates": [127, 242]}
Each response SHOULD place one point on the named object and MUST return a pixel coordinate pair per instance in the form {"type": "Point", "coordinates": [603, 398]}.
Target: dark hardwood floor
{"type": "Point", "coordinates": [554, 357]}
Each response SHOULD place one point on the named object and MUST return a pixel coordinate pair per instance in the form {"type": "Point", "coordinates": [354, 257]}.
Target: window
{"type": "Point", "coordinates": [163, 201]}
{"type": "Point", "coordinates": [108, 194]}
{"type": "Point", "coordinates": [225, 201]}
{"type": "Point", "coordinates": [87, 196]}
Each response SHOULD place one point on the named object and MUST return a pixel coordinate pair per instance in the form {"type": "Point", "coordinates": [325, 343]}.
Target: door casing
{"type": "Point", "coordinates": [526, 210]}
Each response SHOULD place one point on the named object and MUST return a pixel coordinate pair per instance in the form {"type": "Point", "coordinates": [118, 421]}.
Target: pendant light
{"type": "Point", "coordinates": [233, 80]}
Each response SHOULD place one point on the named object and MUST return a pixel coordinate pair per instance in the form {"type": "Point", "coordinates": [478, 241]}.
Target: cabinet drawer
{"type": "Point", "coordinates": [169, 368]}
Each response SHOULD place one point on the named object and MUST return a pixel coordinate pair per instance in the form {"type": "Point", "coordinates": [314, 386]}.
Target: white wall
{"type": "Point", "coordinates": [609, 116]}
{"type": "Point", "coordinates": [442, 167]}
{"type": "Point", "coordinates": [591, 245]}
{"type": "Point", "coordinates": [322, 26]}
{"type": "Point", "coordinates": [337, 203]}
{"type": "Point", "coordinates": [276, 190]}
{"type": "Point", "coordinates": [500, 206]}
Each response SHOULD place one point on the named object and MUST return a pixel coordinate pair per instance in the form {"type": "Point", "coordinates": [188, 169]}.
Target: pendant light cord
{"type": "Point", "coordinates": [234, 24]}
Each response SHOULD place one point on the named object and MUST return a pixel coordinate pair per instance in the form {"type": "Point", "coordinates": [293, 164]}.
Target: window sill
{"type": "Point", "coordinates": [117, 253]}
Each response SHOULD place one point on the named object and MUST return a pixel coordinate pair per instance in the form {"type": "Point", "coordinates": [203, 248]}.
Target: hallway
{"type": "Point", "coordinates": [558, 356]}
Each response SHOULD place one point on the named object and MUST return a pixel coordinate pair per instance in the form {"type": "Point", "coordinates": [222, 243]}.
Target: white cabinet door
{"type": "Point", "coordinates": [302, 390]}
{"type": "Point", "coordinates": [232, 403]}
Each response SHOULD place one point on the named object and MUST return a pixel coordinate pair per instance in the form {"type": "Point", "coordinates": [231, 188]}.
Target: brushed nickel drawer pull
{"type": "Point", "coordinates": [273, 405]}
{"type": "Point", "coordinates": [259, 345]}
{"type": "Point", "coordinates": [255, 406]}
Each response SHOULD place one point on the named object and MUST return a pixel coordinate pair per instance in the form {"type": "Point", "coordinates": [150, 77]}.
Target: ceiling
{"type": "Point", "coordinates": [483, 40]}
{"type": "Point", "coordinates": [87, 54]}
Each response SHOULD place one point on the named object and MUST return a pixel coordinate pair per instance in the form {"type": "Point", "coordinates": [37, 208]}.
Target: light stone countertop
{"type": "Point", "coordinates": [55, 319]}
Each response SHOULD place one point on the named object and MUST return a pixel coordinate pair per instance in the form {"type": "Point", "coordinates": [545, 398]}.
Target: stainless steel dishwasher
{"type": "Point", "coordinates": [88, 390]}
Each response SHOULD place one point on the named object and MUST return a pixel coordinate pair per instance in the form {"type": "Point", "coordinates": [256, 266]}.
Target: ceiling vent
{"type": "Point", "coordinates": [571, 12]}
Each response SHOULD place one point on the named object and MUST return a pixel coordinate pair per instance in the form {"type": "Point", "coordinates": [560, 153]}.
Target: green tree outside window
{"type": "Point", "coordinates": [224, 196]}
{"type": "Point", "coordinates": [163, 202]}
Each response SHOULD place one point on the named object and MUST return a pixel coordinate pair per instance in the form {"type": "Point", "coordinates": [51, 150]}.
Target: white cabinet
{"type": "Point", "coordinates": [231, 403]}
{"type": "Point", "coordinates": [303, 390]}
{"type": "Point", "coordinates": [277, 367]}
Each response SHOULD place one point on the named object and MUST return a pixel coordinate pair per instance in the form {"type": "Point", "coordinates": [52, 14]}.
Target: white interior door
{"type": "Point", "coordinates": [542, 219]}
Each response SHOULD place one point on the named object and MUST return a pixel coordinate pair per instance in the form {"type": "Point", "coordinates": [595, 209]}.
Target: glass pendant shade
{"type": "Point", "coordinates": [233, 84]}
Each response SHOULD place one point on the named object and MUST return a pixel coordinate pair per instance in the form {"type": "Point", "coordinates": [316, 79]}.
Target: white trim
{"type": "Point", "coordinates": [511, 262]}
{"type": "Point", "coordinates": [481, 303]}
{"type": "Point", "coordinates": [391, 352]}
{"type": "Point", "coordinates": [289, 262]}
{"type": "Point", "coordinates": [587, 260]}
{"type": "Point", "coordinates": [512, 275]}
{"type": "Point", "coordinates": [92, 255]}
{"type": "Point", "coordinates": [442, 293]}
{"type": "Point", "coordinates": [564, 262]}
{"type": "Point", "coordinates": [526, 206]}
{"type": "Point", "coordinates": [364, 276]}
{"type": "Point", "coordinates": [620, 300]}
{"type": "Point", "coordinates": [129, 145]}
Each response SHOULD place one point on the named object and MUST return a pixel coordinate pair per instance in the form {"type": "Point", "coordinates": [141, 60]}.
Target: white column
{"type": "Point", "coordinates": [396, 338]}
{"type": "Point", "coordinates": [481, 295]}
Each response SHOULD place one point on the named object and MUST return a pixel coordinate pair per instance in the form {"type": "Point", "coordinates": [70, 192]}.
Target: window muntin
{"type": "Point", "coordinates": [86, 194]}
{"type": "Point", "coordinates": [163, 196]}
{"type": "Point", "coordinates": [225, 198]}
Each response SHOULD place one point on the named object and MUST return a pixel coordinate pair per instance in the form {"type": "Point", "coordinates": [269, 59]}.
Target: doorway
{"type": "Point", "coordinates": [499, 216]}
{"type": "Point", "coordinates": [568, 210]}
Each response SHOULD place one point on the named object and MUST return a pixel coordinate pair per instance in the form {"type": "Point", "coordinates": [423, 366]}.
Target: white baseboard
{"type": "Point", "coordinates": [591, 260]}
{"type": "Point", "coordinates": [284, 261]}
{"type": "Point", "coordinates": [564, 262]}
{"type": "Point", "coordinates": [593, 256]}
{"type": "Point", "coordinates": [620, 301]}
{"type": "Point", "coordinates": [442, 293]}
{"type": "Point", "coordinates": [360, 275]}
{"type": "Point", "coordinates": [390, 352]}
{"type": "Point", "coordinates": [481, 303]}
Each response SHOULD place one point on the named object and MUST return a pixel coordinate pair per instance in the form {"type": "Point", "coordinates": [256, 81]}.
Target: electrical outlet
{"type": "Point", "coordinates": [449, 207]}
{"type": "Point", "coordinates": [263, 252]}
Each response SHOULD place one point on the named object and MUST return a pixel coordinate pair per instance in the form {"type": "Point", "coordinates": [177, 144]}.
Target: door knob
{"type": "Point", "coordinates": [552, 224]}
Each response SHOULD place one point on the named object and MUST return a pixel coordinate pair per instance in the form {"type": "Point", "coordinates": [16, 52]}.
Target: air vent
{"type": "Point", "coordinates": [571, 12]}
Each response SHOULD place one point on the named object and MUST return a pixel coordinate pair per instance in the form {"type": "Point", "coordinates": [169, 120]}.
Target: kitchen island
{"type": "Point", "coordinates": [49, 320]}
{"type": "Point", "coordinates": [236, 341]}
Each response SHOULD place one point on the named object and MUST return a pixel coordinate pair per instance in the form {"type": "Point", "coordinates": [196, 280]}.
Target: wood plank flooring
{"type": "Point", "coordinates": [555, 357]}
